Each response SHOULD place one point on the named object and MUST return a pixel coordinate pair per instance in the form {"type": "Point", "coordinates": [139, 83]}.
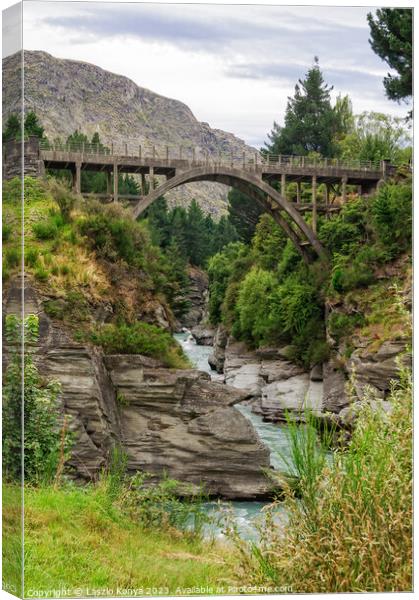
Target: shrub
{"type": "Point", "coordinates": [45, 230]}
{"type": "Point", "coordinates": [65, 199]}
{"type": "Point", "coordinates": [342, 325]}
{"type": "Point", "coordinates": [41, 274]}
{"type": "Point", "coordinates": [345, 231]}
{"type": "Point", "coordinates": [139, 338]}
{"type": "Point", "coordinates": [392, 217]}
{"type": "Point", "coordinates": [6, 232]}
{"type": "Point", "coordinates": [158, 505]}
{"type": "Point", "coordinates": [12, 256]}
{"type": "Point", "coordinates": [254, 305]}
{"type": "Point", "coordinates": [31, 257]}
{"type": "Point", "coordinates": [45, 442]}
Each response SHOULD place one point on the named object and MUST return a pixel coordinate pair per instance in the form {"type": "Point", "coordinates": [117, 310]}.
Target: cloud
{"type": "Point", "coordinates": [206, 28]}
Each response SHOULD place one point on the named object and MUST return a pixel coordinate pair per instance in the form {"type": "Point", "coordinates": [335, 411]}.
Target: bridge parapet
{"type": "Point", "coordinates": [197, 156]}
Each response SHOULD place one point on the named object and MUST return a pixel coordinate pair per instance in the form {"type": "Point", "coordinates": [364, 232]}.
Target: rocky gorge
{"type": "Point", "coordinates": [168, 421]}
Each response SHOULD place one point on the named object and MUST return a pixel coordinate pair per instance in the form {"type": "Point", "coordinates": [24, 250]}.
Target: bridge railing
{"type": "Point", "coordinates": [200, 156]}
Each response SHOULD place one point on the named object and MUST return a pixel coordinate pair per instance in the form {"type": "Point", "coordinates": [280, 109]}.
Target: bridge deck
{"type": "Point", "coordinates": [272, 168]}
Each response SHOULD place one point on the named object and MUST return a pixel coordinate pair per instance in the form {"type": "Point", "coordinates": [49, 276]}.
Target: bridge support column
{"type": "Point", "coordinates": [298, 192]}
{"type": "Point", "coordinates": [344, 191]}
{"type": "Point", "coordinates": [283, 185]}
{"type": "Point", "coordinates": [108, 183]}
{"type": "Point", "coordinates": [115, 182]}
{"type": "Point", "coordinates": [151, 179]}
{"type": "Point", "coordinates": [77, 178]}
{"type": "Point", "coordinates": [314, 201]}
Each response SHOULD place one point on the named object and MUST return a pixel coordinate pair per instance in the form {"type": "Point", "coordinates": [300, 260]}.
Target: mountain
{"type": "Point", "coordinates": [69, 95]}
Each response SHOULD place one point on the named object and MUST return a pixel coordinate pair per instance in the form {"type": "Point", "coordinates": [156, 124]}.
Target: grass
{"type": "Point", "coordinates": [357, 535]}
{"type": "Point", "coordinates": [75, 540]}
{"type": "Point", "coordinates": [12, 539]}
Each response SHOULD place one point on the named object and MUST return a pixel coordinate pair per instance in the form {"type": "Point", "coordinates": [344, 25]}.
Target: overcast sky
{"type": "Point", "coordinates": [234, 66]}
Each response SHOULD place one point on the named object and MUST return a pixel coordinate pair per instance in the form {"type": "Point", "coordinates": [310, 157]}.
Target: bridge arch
{"type": "Point", "coordinates": [252, 185]}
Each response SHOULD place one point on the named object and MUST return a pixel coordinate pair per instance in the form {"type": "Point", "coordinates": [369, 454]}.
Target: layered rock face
{"type": "Point", "coordinates": [179, 422]}
{"type": "Point", "coordinates": [174, 422]}
{"type": "Point", "coordinates": [276, 385]}
{"type": "Point", "coordinates": [82, 96]}
{"type": "Point", "coordinates": [197, 296]}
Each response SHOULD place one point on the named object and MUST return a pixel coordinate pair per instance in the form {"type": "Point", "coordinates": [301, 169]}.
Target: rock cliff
{"type": "Point", "coordinates": [69, 95]}
{"type": "Point", "coordinates": [169, 421]}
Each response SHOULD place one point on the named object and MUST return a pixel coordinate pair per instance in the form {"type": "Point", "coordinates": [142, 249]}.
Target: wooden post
{"type": "Point", "coordinates": [284, 186]}
{"type": "Point", "coordinates": [167, 153]}
{"type": "Point", "coordinates": [314, 201]}
{"type": "Point", "coordinates": [143, 184]}
{"type": "Point", "coordinates": [151, 178]}
{"type": "Point", "coordinates": [244, 160]}
{"type": "Point", "coordinates": [115, 181]}
{"type": "Point", "coordinates": [126, 149]}
{"type": "Point", "coordinates": [298, 192]}
{"type": "Point", "coordinates": [112, 148]}
{"type": "Point", "coordinates": [139, 151]}
{"type": "Point", "coordinates": [344, 181]}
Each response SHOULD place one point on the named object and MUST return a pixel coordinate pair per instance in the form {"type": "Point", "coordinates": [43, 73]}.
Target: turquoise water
{"type": "Point", "coordinates": [244, 514]}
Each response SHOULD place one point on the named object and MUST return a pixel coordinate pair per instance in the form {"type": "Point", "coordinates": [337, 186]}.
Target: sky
{"type": "Point", "coordinates": [233, 65]}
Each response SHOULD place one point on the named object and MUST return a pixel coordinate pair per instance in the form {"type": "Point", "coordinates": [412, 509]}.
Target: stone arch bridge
{"type": "Point", "coordinates": [162, 169]}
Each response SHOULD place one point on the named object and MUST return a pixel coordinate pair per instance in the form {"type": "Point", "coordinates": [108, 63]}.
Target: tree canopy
{"type": "Point", "coordinates": [391, 40]}
{"type": "Point", "coordinates": [311, 124]}
{"type": "Point", "coordinates": [31, 127]}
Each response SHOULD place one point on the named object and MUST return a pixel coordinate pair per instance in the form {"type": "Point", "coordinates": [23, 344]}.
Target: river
{"type": "Point", "coordinates": [245, 514]}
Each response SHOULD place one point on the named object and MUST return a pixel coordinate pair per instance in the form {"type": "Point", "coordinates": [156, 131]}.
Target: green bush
{"type": "Point", "coordinates": [6, 232]}
{"type": "Point", "coordinates": [342, 325]}
{"type": "Point", "coordinates": [41, 274]}
{"type": "Point", "coordinates": [350, 272]}
{"type": "Point", "coordinates": [65, 199]}
{"type": "Point", "coordinates": [45, 230]}
{"type": "Point", "coordinates": [12, 256]}
{"type": "Point", "coordinates": [46, 443]}
{"type": "Point", "coordinates": [392, 217]}
{"type": "Point", "coordinates": [139, 338]}
{"type": "Point", "coordinates": [254, 305]}
{"type": "Point", "coordinates": [31, 257]}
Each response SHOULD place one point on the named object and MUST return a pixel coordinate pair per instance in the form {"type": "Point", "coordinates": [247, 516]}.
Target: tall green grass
{"type": "Point", "coordinates": [351, 530]}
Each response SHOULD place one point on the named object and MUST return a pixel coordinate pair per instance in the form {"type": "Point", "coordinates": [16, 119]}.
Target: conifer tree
{"type": "Point", "coordinates": [391, 40]}
{"type": "Point", "coordinates": [310, 123]}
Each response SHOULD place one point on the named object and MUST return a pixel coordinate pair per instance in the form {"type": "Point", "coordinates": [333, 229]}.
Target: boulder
{"type": "Point", "coordinates": [242, 368]}
{"type": "Point", "coordinates": [217, 358]}
{"type": "Point", "coordinates": [335, 396]}
{"type": "Point", "coordinates": [294, 396]}
{"type": "Point", "coordinates": [203, 335]}
{"type": "Point", "coordinates": [316, 373]}
{"type": "Point", "coordinates": [376, 370]}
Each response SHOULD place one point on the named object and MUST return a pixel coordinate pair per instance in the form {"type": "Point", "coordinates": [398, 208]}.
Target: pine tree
{"type": "Point", "coordinates": [32, 126]}
{"type": "Point", "coordinates": [12, 131]}
{"type": "Point", "coordinates": [391, 40]}
{"type": "Point", "coordinates": [310, 123]}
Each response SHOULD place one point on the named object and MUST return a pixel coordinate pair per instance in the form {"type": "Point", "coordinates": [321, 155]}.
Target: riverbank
{"type": "Point", "coordinates": [117, 553]}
